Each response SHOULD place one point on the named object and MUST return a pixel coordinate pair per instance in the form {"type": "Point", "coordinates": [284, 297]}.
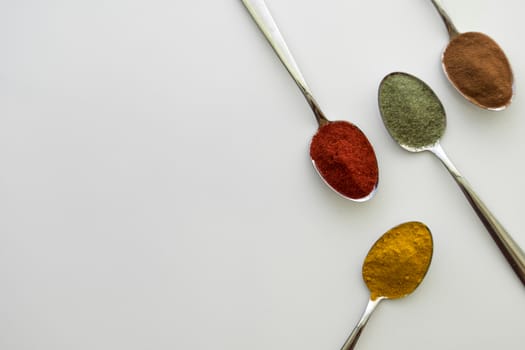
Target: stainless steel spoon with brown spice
{"type": "Point", "coordinates": [477, 67]}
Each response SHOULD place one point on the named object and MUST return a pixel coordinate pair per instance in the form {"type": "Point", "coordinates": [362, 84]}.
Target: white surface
{"type": "Point", "coordinates": [156, 190]}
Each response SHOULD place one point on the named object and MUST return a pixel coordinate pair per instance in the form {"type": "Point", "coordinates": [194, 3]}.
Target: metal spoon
{"type": "Point", "coordinates": [263, 18]}
{"type": "Point", "coordinates": [408, 106]}
{"type": "Point", "coordinates": [414, 255]}
{"type": "Point", "coordinates": [499, 79]}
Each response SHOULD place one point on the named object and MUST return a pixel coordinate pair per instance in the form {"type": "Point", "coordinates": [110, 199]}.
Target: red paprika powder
{"type": "Point", "coordinates": [345, 159]}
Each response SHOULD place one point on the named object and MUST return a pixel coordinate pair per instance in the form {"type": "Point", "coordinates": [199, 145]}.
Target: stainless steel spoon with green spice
{"type": "Point", "coordinates": [415, 118]}
{"type": "Point", "coordinates": [340, 151]}
{"type": "Point", "coordinates": [477, 67]}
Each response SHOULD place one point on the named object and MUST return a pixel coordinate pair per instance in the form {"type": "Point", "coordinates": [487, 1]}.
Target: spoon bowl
{"type": "Point", "coordinates": [394, 267]}
{"type": "Point", "coordinates": [340, 152]}
{"type": "Point", "coordinates": [423, 119]}
{"type": "Point", "coordinates": [416, 120]}
{"type": "Point", "coordinates": [477, 67]}
{"type": "Point", "coordinates": [333, 148]}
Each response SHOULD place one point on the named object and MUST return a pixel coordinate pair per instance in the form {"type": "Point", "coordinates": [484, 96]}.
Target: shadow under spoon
{"type": "Point", "coordinates": [355, 177]}
{"type": "Point", "coordinates": [415, 118]}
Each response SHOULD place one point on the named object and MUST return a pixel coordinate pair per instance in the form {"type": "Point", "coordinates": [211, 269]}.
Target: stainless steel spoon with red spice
{"type": "Point", "coordinates": [477, 67]}
{"type": "Point", "coordinates": [340, 151]}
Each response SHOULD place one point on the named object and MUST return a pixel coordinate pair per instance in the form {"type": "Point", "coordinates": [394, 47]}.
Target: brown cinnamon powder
{"type": "Point", "coordinates": [479, 69]}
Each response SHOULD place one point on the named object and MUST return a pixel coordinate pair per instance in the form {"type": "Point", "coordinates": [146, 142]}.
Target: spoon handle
{"type": "Point", "coordinates": [264, 20]}
{"type": "Point", "coordinates": [510, 249]}
{"type": "Point", "coordinates": [354, 336]}
{"type": "Point", "coordinates": [451, 28]}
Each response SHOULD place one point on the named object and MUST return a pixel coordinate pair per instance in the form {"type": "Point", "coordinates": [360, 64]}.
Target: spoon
{"type": "Point", "coordinates": [353, 177]}
{"type": "Point", "coordinates": [415, 118]}
{"type": "Point", "coordinates": [477, 67]}
{"type": "Point", "coordinates": [393, 268]}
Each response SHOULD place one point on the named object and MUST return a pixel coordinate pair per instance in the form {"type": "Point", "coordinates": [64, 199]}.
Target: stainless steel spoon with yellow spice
{"type": "Point", "coordinates": [415, 118]}
{"type": "Point", "coordinates": [477, 67]}
{"type": "Point", "coordinates": [393, 268]}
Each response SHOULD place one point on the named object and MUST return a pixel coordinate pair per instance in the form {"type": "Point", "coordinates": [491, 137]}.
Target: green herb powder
{"type": "Point", "coordinates": [411, 112]}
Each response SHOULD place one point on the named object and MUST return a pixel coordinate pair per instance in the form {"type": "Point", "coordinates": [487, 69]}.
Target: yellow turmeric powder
{"type": "Point", "coordinates": [398, 261]}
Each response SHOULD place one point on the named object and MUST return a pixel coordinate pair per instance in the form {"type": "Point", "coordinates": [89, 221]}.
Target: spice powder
{"type": "Point", "coordinates": [398, 261]}
{"type": "Point", "coordinates": [411, 112]}
{"type": "Point", "coordinates": [479, 69]}
{"type": "Point", "coordinates": [345, 159]}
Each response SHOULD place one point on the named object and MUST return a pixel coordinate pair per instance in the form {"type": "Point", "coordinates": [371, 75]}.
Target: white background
{"type": "Point", "coordinates": [156, 190]}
